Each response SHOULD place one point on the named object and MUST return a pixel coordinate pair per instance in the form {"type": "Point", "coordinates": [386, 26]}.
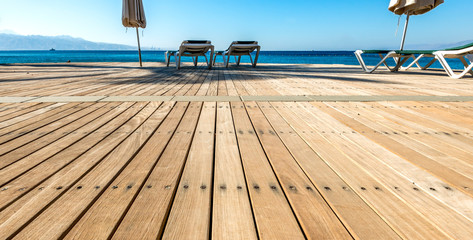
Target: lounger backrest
{"type": "Point", "coordinates": [195, 46]}
{"type": "Point", "coordinates": [196, 42]}
{"type": "Point", "coordinates": [245, 42]}
{"type": "Point", "coordinates": [241, 48]}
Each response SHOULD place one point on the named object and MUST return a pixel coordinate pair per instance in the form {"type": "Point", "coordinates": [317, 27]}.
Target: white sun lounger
{"type": "Point", "coordinates": [464, 53]}
{"type": "Point", "coordinates": [242, 48]}
{"type": "Point", "coordinates": [194, 49]}
{"type": "Point", "coordinates": [399, 57]}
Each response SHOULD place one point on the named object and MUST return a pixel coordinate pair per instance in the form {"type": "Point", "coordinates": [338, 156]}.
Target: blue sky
{"type": "Point", "coordinates": [276, 24]}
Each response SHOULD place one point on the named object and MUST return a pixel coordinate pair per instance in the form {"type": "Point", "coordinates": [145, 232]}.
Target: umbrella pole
{"type": "Point", "coordinates": [139, 48]}
{"type": "Point", "coordinates": [405, 31]}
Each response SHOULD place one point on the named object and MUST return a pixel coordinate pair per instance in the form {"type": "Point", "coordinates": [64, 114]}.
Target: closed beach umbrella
{"type": "Point", "coordinates": [411, 7]}
{"type": "Point", "coordinates": [133, 15]}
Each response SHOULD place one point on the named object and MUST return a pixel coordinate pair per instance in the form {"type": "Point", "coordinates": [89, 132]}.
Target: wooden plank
{"type": "Point", "coordinates": [441, 116]}
{"type": "Point", "coordinates": [76, 197]}
{"type": "Point", "coordinates": [103, 216]}
{"type": "Point", "coordinates": [457, 200]}
{"type": "Point", "coordinates": [231, 88]}
{"type": "Point", "coordinates": [362, 221]}
{"type": "Point", "coordinates": [367, 155]}
{"type": "Point", "coordinates": [102, 138]}
{"type": "Point", "coordinates": [205, 85]}
{"type": "Point", "coordinates": [89, 84]}
{"type": "Point", "coordinates": [27, 113]}
{"type": "Point", "coordinates": [33, 126]}
{"type": "Point", "coordinates": [432, 140]}
{"type": "Point", "coordinates": [146, 217]}
{"type": "Point", "coordinates": [245, 82]}
{"type": "Point", "coordinates": [190, 214]}
{"type": "Point", "coordinates": [232, 214]}
{"type": "Point", "coordinates": [405, 151]}
{"type": "Point", "coordinates": [27, 144]}
{"type": "Point", "coordinates": [273, 215]}
{"type": "Point", "coordinates": [222, 86]}
{"type": "Point", "coordinates": [34, 123]}
{"type": "Point", "coordinates": [382, 200]}
{"type": "Point", "coordinates": [137, 82]}
{"type": "Point", "coordinates": [240, 89]}
{"type": "Point", "coordinates": [171, 84]}
{"type": "Point", "coordinates": [13, 108]}
{"type": "Point", "coordinates": [450, 132]}
{"type": "Point", "coordinates": [197, 83]}
{"type": "Point", "coordinates": [184, 87]}
{"type": "Point", "coordinates": [33, 160]}
{"type": "Point", "coordinates": [157, 82]}
{"type": "Point", "coordinates": [315, 217]}
{"type": "Point", "coordinates": [213, 87]}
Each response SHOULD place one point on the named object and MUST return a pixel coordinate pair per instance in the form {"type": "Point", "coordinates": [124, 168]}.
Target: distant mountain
{"type": "Point", "coordinates": [37, 42]}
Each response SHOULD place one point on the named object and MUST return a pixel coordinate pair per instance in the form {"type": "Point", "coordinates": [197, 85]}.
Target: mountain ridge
{"type": "Point", "coordinates": [63, 42]}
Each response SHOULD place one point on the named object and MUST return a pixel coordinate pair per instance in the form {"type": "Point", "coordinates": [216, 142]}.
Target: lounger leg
{"type": "Point", "coordinates": [416, 60]}
{"type": "Point", "coordinates": [196, 59]}
{"type": "Point", "coordinates": [257, 55]}
{"type": "Point", "coordinates": [178, 61]}
{"type": "Point", "coordinates": [470, 59]}
{"type": "Point", "coordinates": [465, 63]}
{"type": "Point", "coordinates": [360, 60]}
{"type": "Point", "coordinates": [166, 56]}
{"type": "Point", "coordinates": [400, 62]}
{"type": "Point", "coordinates": [449, 70]}
{"type": "Point", "coordinates": [228, 60]}
{"type": "Point", "coordinates": [429, 64]}
{"type": "Point", "coordinates": [383, 61]}
{"type": "Point", "coordinates": [214, 60]}
{"type": "Point", "coordinates": [209, 63]}
{"type": "Point", "coordinates": [235, 58]}
{"type": "Point", "coordinates": [251, 59]}
{"type": "Point", "coordinates": [239, 59]}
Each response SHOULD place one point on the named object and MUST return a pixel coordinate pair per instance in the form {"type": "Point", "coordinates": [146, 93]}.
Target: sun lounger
{"type": "Point", "coordinates": [194, 49]}
{"type": "Point", "coordinates": [400, 57]}
{"type": "Point", "coordinates": [242, 48]}
{"type": "Point", "coordinates": [464, 53]}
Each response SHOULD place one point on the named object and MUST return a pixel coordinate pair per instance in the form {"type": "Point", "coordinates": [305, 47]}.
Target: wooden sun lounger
{"type": "Point", "coordinates": [242, 48]}
{"type": "Point", "coordinates": [194, 49]}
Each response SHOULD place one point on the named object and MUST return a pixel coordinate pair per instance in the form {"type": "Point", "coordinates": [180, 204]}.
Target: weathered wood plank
{"type": "Point", "coordinates": [383, 201]}
{"type": "Point", "coordinates": [316, 218]}
{"type": "Point", "coordinates": [273, 214]}
{"type": "Point", "coordinates": [232, 214]}
{"type": "Point", "coordinates": [77, 197]}
{"type": "Point", "coordinates": [33, 160]}
{"type": "Point", "coordinates": [367, 154]}
{"type": "Point", "coordinates": [195, 187]}
{"type": "Point", "coordinates": [66, 160]}
{"type": "Point", "coordinates": [146, 216]}
{"type": "Point", "coordinates": [105, 214]}
{"type": "Point", "coordinates": [357, 216]}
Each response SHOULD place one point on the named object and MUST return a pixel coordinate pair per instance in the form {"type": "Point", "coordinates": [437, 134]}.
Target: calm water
{"type": "Point", "coordinates": [299, 57]}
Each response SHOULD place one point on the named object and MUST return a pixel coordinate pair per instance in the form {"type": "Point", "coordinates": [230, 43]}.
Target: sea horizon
{"type": "Point", "coordinates": [344, 57]}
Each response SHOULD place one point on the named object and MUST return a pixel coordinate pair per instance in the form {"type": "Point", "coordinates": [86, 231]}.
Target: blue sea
{"type": "Point", "coordinates": [284, 57]}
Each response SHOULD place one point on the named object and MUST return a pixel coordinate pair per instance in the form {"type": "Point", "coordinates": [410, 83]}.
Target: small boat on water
{"type": "Point", "coordinates": [52, 49]}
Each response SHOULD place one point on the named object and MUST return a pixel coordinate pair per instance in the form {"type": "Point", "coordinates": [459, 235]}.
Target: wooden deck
{"type": "Point", "coordinates": [109, 150]}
